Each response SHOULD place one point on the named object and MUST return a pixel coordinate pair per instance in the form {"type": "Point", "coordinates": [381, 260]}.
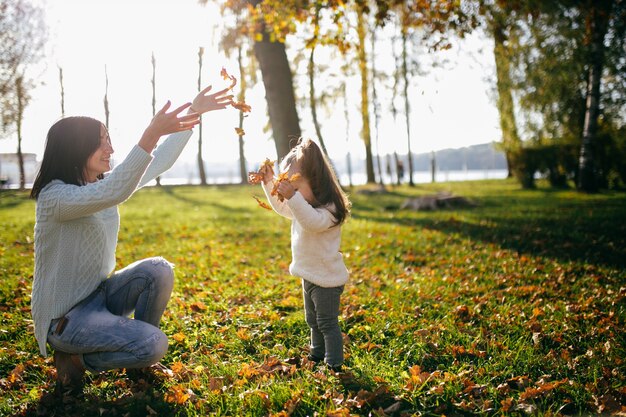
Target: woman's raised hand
{"type": "Point", "coordinates": [164, 123]}
{"type": "Point", "coordinates": [205, 102]}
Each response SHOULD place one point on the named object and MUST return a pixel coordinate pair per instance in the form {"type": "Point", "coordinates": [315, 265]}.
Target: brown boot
{"type": "Point", "coordinates": [70, 372]}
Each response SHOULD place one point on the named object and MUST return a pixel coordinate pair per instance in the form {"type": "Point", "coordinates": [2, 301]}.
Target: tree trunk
{"type": "Point", "coordinates": [311, 73]}
{"type": "Point", "coordinates": [316, 123]}
{"type": "Point", "coordinates": [20, 112]}
{"type": "Point", "coordinates": [242, 97]}
{"type": "Point", "coordinates": [62, 92]}
{"type": "Point", "coordinates": [201, 171]}
{"type": "Point", "coordinates": [365, 115]}
{"type": "Point", "coordinates": [153, 83]}
{"type": "Point", "coordinates": [597, 27]}
{"type": "Point", "coordinates": [376, 107]}
{"type": "Point", "coordinates": [106, 97]}
{"type": "Point", "coordinates": [407, 107]}
{"type": "Point", "coordinates": [510, 138]}
{"type": "Point", "coordinates": [279, 92]}
{"type": "Point", "coordinates": [347, 117]}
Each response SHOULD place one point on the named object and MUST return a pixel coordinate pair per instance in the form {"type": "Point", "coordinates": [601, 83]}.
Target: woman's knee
{"type": "Point", "coordinates": [161, 273]}
{"type": "Point", "coordinates": [153, 348]}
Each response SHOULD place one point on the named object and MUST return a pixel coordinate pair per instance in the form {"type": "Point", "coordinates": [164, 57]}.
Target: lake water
{"type": "Point", "coordinates": [419, 177]}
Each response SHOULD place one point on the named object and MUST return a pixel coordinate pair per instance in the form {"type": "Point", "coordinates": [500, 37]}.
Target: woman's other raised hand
{"type": "Point", "coordinates": [205, 102]}
{"type": "Point", "coordinates": [164, 123]}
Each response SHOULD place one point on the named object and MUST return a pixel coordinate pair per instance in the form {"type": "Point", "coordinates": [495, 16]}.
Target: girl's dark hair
{"type": "Point", "coordinates": [69, 144]}
{"type": "Point", "coordinates": [317, 170]}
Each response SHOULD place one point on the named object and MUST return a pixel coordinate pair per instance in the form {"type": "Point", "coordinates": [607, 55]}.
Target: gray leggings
{"type": "Point", "coordinates": [321, 309]}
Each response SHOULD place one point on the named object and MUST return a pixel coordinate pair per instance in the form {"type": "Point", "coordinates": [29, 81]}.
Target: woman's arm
{"type": "Point", "coordinates": [74, 201]}
{"type": "Point", "coordinates": [69, 201]}
{"type": "Point", "coordinates": [165, 155]}
{"type": "Point", "coordinates": [168, 152]}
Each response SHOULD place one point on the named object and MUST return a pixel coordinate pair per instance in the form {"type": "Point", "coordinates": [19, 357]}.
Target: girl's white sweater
{"type": "Point", "coordinates": [315, 241]}
{"type": "Point", "coordinates": [76, 231]}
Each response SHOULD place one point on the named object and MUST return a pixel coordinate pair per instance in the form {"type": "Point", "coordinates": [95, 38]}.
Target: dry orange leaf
{"type": "Point", "coordinates": [262, 203]}
{"type": "Point", "coordinates": [255, 177]}
{"type": "Point", "coordinates": [242, 106]}
{"type": "Point", "coordinates": [179, 337]}
{"type": "Point", "coordinates": [283, 176]}
{"type": "Point", "coordinates": [240, 131]}
{"type": "Point", "coordinates": [225, 75]}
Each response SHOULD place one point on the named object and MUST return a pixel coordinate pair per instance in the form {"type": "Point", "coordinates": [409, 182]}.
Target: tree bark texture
{"type": "Point", "coordinates": [365, 114]}
{"type": "Point", "coordinates": [597, 27]}
{"type": "Point", "coordinates": [279, 93]}
{"type": "Point", "coordinates": [510, 138]}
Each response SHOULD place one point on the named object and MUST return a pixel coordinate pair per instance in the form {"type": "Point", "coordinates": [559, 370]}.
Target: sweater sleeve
{"type": "Point", "coordinates": [311, 219]}
{"type": "Point", "coordinates": [71, 201]}
{"type": "Point", "coordinates": [279, 207]}
{"type": "Point", "coordinates": [165, 155]}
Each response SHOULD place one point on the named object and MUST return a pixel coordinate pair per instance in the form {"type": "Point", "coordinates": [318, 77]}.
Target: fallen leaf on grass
{"type": "Point", "coordinates": [178, 394]}
{"type": "Point", "coordinates": [179, 337]}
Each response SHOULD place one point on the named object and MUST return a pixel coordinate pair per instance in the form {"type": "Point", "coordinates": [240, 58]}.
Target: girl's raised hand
{"type": "Point", "coordinates": [268, 173]}
{"type": "Point", "coordinates": [205, 102]}
{"type": "Point", "coordinates": [164, 123]}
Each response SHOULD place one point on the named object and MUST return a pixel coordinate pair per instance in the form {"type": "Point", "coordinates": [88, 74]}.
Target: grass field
{"type": "Point", "coordinates": [515, 306]}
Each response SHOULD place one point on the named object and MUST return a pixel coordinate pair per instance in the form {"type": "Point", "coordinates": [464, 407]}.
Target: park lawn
{"type": "Point", "coordinates": [514, 306]}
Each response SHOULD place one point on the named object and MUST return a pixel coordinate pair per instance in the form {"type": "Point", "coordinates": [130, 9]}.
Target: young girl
{"type": "Point", "coordinates": [79, 306]}
{"type": "Point", "coordinates": [317, 206]}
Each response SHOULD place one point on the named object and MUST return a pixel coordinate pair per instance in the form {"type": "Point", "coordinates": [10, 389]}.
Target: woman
{"type": "Point", "coordinates": [78, 306]}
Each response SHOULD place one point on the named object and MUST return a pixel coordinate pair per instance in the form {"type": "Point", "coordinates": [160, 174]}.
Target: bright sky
{"type": "Point", "coordinates": [451, 107]}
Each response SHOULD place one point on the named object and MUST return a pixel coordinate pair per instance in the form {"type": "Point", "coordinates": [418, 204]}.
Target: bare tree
{"type": "Point", "coordinates": [62, 92]}
{"type": "Point", "coordinates": [153, 83]}
{"type": "Point", "coordinates": [243, 83]}
{"type": "Point", "coordinates": [22, 36]}
{"type": "Point", "coordinates": [106, 97]}
{"type": "Point", "coordinates": [201, 170]}
{"type": "Point", "coordinates": [376, 107]}
{"type": "Point", "coordinates": [21, 100]}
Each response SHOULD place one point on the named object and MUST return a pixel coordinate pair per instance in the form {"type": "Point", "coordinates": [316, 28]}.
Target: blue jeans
{"type": "Point", "coordinates": [98, 327]}
{"type": "Point", "coordinates": [321, 310]}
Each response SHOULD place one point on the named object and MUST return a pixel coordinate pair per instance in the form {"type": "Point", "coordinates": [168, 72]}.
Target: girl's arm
{"type": "Point", "coordinates": [311, 219]}
{"type": "Point", "coordinates": [279, 207]}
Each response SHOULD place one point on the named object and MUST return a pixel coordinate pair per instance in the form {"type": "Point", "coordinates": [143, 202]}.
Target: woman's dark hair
{"type": "Point", "coordinates": [69, 144]}
{"type": "Point", "coordinates": [316, 169]}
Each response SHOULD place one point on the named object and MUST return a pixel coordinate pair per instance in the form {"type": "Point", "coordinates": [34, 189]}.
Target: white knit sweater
{"type": "Point", "coordinates": [76, 231]}
{"type": "Point", "coordinates": [315, 241]}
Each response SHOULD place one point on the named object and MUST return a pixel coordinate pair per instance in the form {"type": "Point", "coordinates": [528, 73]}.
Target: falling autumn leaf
{"type": "Point", "coordinates": [262, 203]}
{"type": "Point", "coordinates": [225, 75]}
{"type": "Point", "coordinates": [241, 106]}
{"type": "Point", "coordinates": [255, 177]}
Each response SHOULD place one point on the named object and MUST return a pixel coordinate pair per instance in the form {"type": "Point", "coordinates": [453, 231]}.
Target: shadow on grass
{"type": "Point", "coordinates": [12, 198]}
{"type": "Point", "coordinates": [591, 232]}
{"type": "Point", "coordinates": [140, 400]}
{"type": "Point", "coordinates": [174, 192]}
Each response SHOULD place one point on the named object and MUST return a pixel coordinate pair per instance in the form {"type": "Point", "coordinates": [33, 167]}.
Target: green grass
{"type": "Point", "coordinates": [516, 304]}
